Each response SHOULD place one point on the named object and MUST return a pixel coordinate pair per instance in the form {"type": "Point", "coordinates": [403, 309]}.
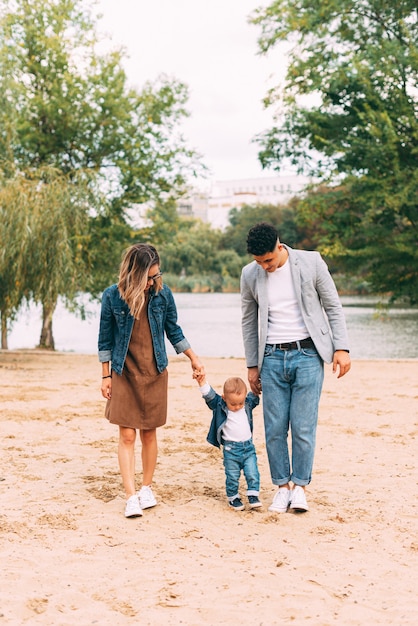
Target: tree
{"type": "Point", "coordinates": [109, 235]}
{"type": "Point", "coordinates": [67, 107]}
{"type": "Point", "coordinates": [347, 114]}
{"type": "Point", "coordinates": [192, 250]}
{"type": "Point", "coordinates": [44, 224]}
{"type": "Point", "coordinates": [14, 233]}
{"type": "Point", "coordinates": [165, 221]}
{"type": "Point", "coordinates": [241, 220]}
{"type": "Point", "coordinates": [57, 252]}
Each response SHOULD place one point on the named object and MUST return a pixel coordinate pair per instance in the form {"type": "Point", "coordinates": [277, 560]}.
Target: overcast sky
{"type": "Point", "coordinates": [209, 45]}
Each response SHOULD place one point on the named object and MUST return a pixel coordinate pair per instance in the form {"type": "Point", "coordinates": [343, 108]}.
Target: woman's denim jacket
{"type": "Point", "coordinates": [220, 413]}
{"type": "Point", "coordinates": [116, 324]}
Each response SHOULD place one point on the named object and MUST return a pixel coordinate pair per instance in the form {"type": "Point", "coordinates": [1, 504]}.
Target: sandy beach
{"type": "Point", "coordinates": [69, 556]}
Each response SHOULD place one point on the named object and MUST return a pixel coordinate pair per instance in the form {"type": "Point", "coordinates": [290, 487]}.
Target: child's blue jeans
{"type": "Point", "coordinates": [240, 456]}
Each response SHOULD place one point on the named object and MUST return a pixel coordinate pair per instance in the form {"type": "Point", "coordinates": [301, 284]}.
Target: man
{"type": "Point", "coordinates": [292, 321]}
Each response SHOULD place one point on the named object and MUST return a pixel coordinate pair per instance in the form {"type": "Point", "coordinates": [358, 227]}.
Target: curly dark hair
{"type": "Point", "coordinates": [262, 238]}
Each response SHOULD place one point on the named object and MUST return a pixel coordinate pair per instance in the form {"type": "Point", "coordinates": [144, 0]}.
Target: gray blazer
{"type": "Point", "coordinates": [318, 299]}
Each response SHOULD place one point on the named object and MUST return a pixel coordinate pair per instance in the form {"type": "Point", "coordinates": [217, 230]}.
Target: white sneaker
{"type": "Point", "coordinates": [132, 507]}
{"type": "Point", "coordinates": [298, 500]}
{"type": "Point", "coordinates": [146, 498]}
{"type": "Point", "coordinates": [281, 500]}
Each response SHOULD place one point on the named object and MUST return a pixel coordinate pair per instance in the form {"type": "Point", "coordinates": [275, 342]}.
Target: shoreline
{"type": "Point", "coordinates": [69, 353]}
{"type": "Point", "coordinates": [383, 335]}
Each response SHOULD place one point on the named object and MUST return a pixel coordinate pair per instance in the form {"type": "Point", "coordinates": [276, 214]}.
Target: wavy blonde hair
{"type": "Point", "coordinates": [133, 275]}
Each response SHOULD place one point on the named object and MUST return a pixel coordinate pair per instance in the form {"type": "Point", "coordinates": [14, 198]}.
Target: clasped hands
{"type": "Point", "coordinates": [199, 373]}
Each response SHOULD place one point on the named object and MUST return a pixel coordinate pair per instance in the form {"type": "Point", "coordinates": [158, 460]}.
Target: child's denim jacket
{"type": "Point", "coordinates": [116, 324]}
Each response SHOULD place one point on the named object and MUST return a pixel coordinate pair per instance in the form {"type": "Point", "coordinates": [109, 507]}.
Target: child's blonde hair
{"type": "Point", "coordinates": [234, 385]}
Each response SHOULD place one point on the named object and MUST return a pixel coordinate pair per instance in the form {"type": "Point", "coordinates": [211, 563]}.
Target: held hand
{"type": "Point", "coordinates": [197, 367]}
{"type": "Point", "coordinates": [254, 380]}
{"type": "Point", "coordinates": [106, 388]}
{"type": "Point", "coordinates": [342, 361]}
{"type": "Point", "coordinates": [201, 378]}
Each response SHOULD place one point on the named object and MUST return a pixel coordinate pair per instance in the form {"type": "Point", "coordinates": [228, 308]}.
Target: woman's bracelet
{"type": "Point", "coordinates": [108, 376]}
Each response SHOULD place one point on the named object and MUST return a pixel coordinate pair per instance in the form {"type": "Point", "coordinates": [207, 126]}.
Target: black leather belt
{"type": "Point", "coordinates": [292, 345]}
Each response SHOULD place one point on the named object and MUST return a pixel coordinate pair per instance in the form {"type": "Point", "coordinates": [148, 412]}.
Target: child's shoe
{"type": "Point", "coordinates": [254, 502]}
{"type": "Point", "coordinates": [236, 504]}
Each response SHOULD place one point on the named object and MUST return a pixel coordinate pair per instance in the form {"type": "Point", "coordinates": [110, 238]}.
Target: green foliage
{"type": "Point", "coordinates": [73, 109]}
{"type": "Point", "coordinates": [109, 235]}
{"type": "Point", "coordinates": [356, 239]}
{"type": "Point", "coordinates": [165, 221]}
{"type": "Point", "coordinates": [201, 283]}
{"type": "Point", "coordinates": [347, 114]}
{"type": "Point", "coordinates": [191, 249]}
{"type": "Point", "coordinates": [241, 220]}
{"type": "Point", "coordinates": [14, 235]}
{"type": "Point", "coordinates": [44, 224]}
{"type": "Point", "coordinates": [194, 259]}
{"type": "Point", "coordinates": [66, 108]}
{"type": "Point", "coordinates": [51, 235]}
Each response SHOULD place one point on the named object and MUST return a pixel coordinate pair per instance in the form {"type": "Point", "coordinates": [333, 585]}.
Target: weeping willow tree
{"type": "Point", "coordinates": [46, 219]}
{"type": "Point", "coordinates": [14, 234]}
{"type": "Point", "coordinates": [58, 247]}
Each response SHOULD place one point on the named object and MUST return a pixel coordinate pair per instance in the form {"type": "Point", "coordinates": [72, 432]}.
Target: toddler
{"type": "Point", "coordinates": [231, 427]}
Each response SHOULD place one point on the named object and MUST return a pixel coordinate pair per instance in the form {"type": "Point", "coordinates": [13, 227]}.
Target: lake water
{"type": "Point", "coordinates": [212, 324]}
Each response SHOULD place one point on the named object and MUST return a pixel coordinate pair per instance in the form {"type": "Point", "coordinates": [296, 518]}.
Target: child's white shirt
{"type": "Point", "coordinates": [236, 427]}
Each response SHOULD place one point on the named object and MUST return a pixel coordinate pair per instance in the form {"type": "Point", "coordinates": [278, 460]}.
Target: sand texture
{"type": "Point", "coordinates": [69, 556]}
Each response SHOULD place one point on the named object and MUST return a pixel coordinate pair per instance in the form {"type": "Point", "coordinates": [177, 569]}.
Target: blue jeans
{"type": "Point", "coordinates": [240, 456]}
{"type": "Point", "coordinates": [291, 388]}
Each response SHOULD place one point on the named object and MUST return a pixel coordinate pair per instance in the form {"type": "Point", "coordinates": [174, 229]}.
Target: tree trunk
{"type": "Point", "coordinates": [4, 345]}
{"type": "Point", "coordinates": [47, 338]}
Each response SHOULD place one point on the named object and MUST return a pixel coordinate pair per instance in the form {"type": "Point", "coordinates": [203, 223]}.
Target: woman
{"type": "Point", "coordinates": [135, 313]}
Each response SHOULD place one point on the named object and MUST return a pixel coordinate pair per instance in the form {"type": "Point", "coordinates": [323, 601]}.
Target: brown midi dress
{"type": "Point", "coordinates": [139, 395]}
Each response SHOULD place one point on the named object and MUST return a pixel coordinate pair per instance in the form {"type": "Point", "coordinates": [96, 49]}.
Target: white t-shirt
{"type": "Point", "coordinates": [285, 321]}
{"type": "Point", "coordinates": [237, 426]}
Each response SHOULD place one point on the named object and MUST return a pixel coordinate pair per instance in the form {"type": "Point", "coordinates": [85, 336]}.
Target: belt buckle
{"type": "Point", "coordinates": [284, 346]}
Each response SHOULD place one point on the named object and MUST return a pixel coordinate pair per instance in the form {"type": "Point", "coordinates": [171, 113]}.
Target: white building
{"type": "Point", "coordinates": [214, 207]}
{"type": "Point", "coordinates": [194, 205]}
